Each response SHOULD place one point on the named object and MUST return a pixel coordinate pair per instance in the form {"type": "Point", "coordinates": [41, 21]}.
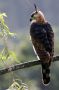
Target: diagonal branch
{"type": "Point", "coordinates": [24, 65]}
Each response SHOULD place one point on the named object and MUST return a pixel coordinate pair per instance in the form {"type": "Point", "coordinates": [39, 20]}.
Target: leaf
{"type": "Point", "coordinates": [14, 86]}
{"type": "Point", "coordinates": [12, 34]}
{"type": "Point", "coordinates": [17, 86]}
{"type": "Point", "coordinates": [1, 17]}
{"type": "Point", "coordinates": [3, 58]}
{"type": "Point", "coordinates": [4, 28]}
{"type": "Point", "coordinates": [13, 55]}
{"type": "Point", "coordinates": [3, 14]}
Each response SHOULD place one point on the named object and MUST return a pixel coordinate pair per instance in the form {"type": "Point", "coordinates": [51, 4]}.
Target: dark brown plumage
{"type": "Point", "coordinates": [42, 37]}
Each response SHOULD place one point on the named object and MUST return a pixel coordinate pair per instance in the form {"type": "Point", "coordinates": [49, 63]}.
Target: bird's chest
{"type": "Point", "coordinates": [37, 44]}
{"type": "Point", "coordinates": [37, 30]}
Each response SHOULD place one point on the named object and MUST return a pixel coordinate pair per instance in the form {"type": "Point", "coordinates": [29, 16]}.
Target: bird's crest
{"type": "Point", "coordinates": [35, 8]}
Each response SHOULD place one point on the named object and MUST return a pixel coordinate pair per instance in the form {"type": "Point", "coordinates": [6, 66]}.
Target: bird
{"type": "Point", "coordinates": [42, 37]}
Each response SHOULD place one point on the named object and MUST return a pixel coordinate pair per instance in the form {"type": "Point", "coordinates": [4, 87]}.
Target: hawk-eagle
{"type": "Point", "coordinates": [42, 37]}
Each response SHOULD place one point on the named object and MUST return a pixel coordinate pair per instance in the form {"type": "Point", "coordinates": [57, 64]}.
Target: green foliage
{"type": "Point", "coordinates": [17, 86]}
{"type": "Point", "coordinates": [4, 28]}
{"type": "Point", "coordinates": [6, 54]}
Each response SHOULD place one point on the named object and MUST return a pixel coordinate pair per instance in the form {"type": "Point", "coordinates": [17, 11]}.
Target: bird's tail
{"type": "Point", "coordinates": [46, 73]}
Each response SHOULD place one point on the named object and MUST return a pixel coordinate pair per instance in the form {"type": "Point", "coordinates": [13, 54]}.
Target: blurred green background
{"type": "Point", "coordinates": [18, 12]}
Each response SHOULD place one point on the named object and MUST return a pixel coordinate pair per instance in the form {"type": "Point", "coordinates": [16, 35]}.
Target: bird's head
{"type": "Point", "coordinates": [38, 17]}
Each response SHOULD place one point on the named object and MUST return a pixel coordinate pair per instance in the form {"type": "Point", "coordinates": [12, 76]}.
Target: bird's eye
{"type": "Point", "coordinates": [34, 14]}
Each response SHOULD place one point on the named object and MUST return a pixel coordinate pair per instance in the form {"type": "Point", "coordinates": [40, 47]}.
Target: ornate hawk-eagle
{"type": "Point", "coordinates": [42, 37]}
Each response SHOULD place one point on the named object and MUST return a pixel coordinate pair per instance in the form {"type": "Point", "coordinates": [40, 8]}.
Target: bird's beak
{"type": "Point", "coordinates": [32, 18]}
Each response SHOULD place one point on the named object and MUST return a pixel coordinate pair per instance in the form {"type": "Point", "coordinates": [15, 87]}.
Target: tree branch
{"type": "Point", "coordinates": [24, 65]}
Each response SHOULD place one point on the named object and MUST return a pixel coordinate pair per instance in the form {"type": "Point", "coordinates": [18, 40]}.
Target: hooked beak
{"type": "Point", "coordinates": [32, 18]}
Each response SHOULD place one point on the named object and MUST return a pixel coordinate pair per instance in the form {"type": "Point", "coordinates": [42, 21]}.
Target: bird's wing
{"type": "Point", "coordinates": [38, 32]}
{"type": "Point", "coordinates": [50, 36]}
